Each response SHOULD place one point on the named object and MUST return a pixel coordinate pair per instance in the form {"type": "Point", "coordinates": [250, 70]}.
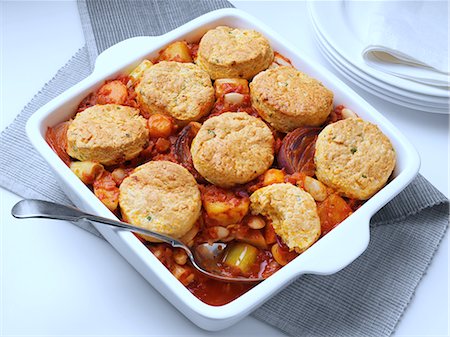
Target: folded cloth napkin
{"type": "Point", "coordinates": [365, 299]}
{"type": "Point", "coordinates": [409, 39]}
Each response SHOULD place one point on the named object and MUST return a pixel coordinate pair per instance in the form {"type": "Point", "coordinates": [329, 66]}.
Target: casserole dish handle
{"type": "Point", "coordinates": [345, 248]}
{"type": "Point", "coordinates": [109, 58]}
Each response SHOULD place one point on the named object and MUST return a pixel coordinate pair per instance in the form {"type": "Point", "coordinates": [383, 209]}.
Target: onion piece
{"type": "Point", "coordinates": [56, 138]}
{"type": "Point", "coordinates": [297, 150]}
{"type": "Point", "coordinates": [182, 148]}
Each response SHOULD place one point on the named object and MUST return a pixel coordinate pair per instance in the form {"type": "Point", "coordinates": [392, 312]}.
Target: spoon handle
{"type": "Point", "coordinates": [31, 208]}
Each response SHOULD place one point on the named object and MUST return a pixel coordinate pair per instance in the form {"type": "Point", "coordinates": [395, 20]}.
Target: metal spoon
{"type": "Point", "coordinates": [204, 257]}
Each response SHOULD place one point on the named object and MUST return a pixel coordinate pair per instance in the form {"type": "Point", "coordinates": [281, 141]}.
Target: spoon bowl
{"type": "Point", "coordinates": [204, 257]}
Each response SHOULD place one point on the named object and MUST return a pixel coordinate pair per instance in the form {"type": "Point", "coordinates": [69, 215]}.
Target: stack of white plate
{"type": "Point", "coordinates": [340, 27]}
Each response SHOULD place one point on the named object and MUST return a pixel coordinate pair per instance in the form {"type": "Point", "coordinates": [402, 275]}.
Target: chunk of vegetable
{"type": "Point", "coordinates": [227, 212]}
{"type": "Point", "coordinates": [87, 171]}
{"type": "Point", "coordinates": [233, 98]}
{"type": "Point", "coordinates": [296, 178]}
{"type": "Point", "coordinates": [114, 92]}
{"type": "Point", "coordinates": [256, 222]}
{"type": "Point", "coordinates": [106, 190]}
{"type": "Point", "coordinates": [332, 211]}
{"type": "Point", "coordinates": [281, 255]}
{"type": "Point", "coordinates": [226, 85]}
{"type": "Point", "coordinates": [297, 150]}
{"type": "Point", "coordinates": [177, 51]}
{"type": "Point", "coordinates": [273, 176]}
{"type": "Point", "coordinates": [241, 256]}
{"type": "Point", "coordinates": [347, 113]}
{"type": "Point", "coordinates": [136, 74]}
{"type": "Point", "coordinates": [224, 207]}
{"type": "Point", "coordinates": [180, 257]}
{"type": "Point", "coordinates": [188, 238]}
{"type": "Point", "coordinates": [253, 237]}
{"type": "Point", "coordinates": [218, 232]}
{"type": "Point", "coordinates": [182, 148]}
{"type": "Point", "coordinates": [183, 274]}
{"type": "Point", "coordinates": [270, 269]}
{"type": "Point", "coordinates": [160, 126]}
{"type": "Point", "coordinates": [269, 234]}
{"type": "Point", "coordinates": [56, 137]}
{"type": "Point", "coordinates": [279, 60]}
{"type": "Point", "coordinates": [162, 145]}
{"type": "Point", "coordinates": [314, 187]}
{"type": "Point", "coordinates": [161, 252]}
{"type": "Point", "coordinates": [120, 173]}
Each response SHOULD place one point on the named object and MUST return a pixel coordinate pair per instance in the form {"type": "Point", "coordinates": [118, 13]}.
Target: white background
{"type": "Point", "coordinates": [57, 279]}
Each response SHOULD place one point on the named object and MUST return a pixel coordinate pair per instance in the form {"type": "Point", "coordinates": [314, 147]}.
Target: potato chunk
{"type": "Point", "coordinates": [273, 176]}
{"type": "Point", "coordinates": [224, 207]}
{"type": "Point", "coordinates": [226, 85]}
{"type": "Point", "coordinates": [332, 211]}
{"type": "Point", "coordinates": [228, 212]}
{"type": "Point", "coordinates": [114, 92]}
{"type": "Point", "coordinates": [177, 51]}
{"type": "Point", "coordinates": [87, 171]}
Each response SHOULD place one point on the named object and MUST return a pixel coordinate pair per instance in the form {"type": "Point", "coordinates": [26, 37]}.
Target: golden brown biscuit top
{"type": "Point", "coordinates": [354, 157]}
{"type": "Point", "coordinates": [182, 90]}
{"type": "Point", "coordinates": [293, 213]}
{"type": "Point", "coordinates": [161, 196]}
{"type": "Point", "coordinates": [228, 46]}
{"type": "Point", "coordinates": [232, 148]}
{"type": "Point", "coordinates": [106, 126]}
{"type": "Point", "coordinates": [291, 92]}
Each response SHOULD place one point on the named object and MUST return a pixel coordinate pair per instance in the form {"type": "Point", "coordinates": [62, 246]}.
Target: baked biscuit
{"type": "Point", "coordinates": [181, 90]}
{"type": "Point", "coordinates": [293, 213]}
{"type": "Point", "coordinates": [354, 157]}
{"type": "Point", "coordinates": [107, 134]}
{"type": "Point", "coordinates": [226, 52]}
{"type": "Point", "coordinates": [287, 98]}
{"type": "Point", "coordinates": [232, 148]}
{"type": "Point", "coordinates": [161, 196]}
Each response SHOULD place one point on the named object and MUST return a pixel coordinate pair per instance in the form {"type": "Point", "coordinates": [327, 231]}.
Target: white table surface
{"type": "Point", "coordinates": [57, 279]}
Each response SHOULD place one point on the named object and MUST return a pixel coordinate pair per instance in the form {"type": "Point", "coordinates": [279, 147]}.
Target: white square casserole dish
{"type": "Point", "coordinates": [346, 242]}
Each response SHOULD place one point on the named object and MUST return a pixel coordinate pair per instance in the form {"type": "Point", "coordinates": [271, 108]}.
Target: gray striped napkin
{"type": "Point", "coordinates": [365, 299]}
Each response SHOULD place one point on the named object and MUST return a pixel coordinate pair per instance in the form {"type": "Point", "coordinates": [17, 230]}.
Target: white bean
{"type": "Point", "coordinates": [179, 273]}
{"type": "Point", "coordinates": [347, 113]}
{"type": "Point", "coordinates": [221, 232]}
{"type": "Point", "coordinates": [190, 235]}
{"type": "Point", "coordinates": [180, 257]}
{"type": "Point", "coordinates": [256, 222]}
{"type": "Point", "coordinates": [233, 98]}
{"type": "Point", "coordinates": [274, 65]}
{"type": "Point", "coordinates": [314, 187]}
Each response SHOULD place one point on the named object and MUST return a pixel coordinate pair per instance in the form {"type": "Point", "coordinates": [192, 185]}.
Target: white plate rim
{"type": "Point", "coordinates": [335, 8]}
{"type": "Point", "coordinates": [342, 68]}
{"type": "Point", "coordinates": [394, 100]}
